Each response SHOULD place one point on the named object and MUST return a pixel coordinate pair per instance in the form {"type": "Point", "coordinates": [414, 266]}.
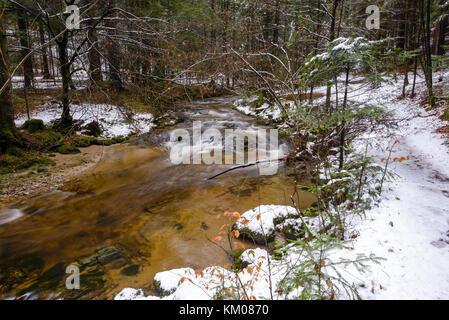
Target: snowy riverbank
{"type": "Point", "coordinates": [409, 229]}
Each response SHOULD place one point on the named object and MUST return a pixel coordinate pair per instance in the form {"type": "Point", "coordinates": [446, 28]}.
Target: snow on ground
{"type": "Point", "coordinates": [114, 121]}
{"type": "Point", "coordinates": [79, 78]}
{"type": "Point", "coordinates": [409, 228]}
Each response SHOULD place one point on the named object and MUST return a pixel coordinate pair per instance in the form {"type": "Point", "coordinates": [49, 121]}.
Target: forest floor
{"type": "Point", "coordinates": [38, 180]}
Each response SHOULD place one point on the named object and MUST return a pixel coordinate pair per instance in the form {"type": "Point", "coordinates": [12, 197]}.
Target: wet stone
{"type": "Point", "coordinates": [130, 271]}
{"type": "Point", "coordinates": [178, 226]}
{"type": "Point", "coordinates": [103, 256]}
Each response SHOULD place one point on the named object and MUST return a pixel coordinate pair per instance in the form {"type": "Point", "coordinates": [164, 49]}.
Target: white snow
{"type": "Point", "coordinates": [115, 121]}
{"type": "Point", "coordinates": [410, 228]}
{"type": "Point", "coordinates": [261, 219]}
{"type": "Point", "coordinates": [169, 280]}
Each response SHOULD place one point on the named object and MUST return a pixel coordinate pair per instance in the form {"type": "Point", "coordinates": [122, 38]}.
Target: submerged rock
{"type": "Point", "coordinates": [178, 226]}
{"type": "Point", "coordinates": [130, 271]}
{"type": "Point", "coordinates": [102, 256]}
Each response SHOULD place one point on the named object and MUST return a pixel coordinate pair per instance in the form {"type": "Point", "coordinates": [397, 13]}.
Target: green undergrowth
{"type": "Point", "coordinates": [26, 160]}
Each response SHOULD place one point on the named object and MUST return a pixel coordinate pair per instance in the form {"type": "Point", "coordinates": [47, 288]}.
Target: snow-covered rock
{"type": "Point", "coordinates": [261, 223]}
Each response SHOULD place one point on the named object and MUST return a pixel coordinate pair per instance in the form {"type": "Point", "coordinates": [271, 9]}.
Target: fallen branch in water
{"type": "Point", "coordinates": [244, 166]}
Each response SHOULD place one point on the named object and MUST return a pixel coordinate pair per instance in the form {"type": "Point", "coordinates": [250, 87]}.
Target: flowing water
{"type": "Point", "coordinates": [131, 216]}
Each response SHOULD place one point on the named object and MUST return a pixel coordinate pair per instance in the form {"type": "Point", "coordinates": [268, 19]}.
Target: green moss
{"type": "Point", "coordinates": [239, 264]}
{"type": "Point", "coordinates": [256, 237]}
{"type": "Point", "coordinates": [8, 141]}
{"type": "Point", "coordinates": [12, 163]}
{"type": "Point", "coordinates": [90, 141]}
{"type": "Point", "coordinates": [68, 149]}
{"type": "Point", "coordinates": [130, 271]}
{"type": "Point", "coordinates": [17, 100]}
{"type": "Point", "coordinates": [48, 137]}
{"type": "Point", "coordinates": [84, 142]}
{"type": "Point", "coordinates": [161, 292]}
{"type": "Point", "coordinates": [34, 125]}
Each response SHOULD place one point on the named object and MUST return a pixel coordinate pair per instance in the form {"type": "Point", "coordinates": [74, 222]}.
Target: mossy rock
{"type": "Point", "coordinates": [48, 136]}
{"type": "Point", "coordinates": [256, 237]}
{"type": "Point", "coordinates": [10, 142]}
{"type": "Point", "coordinates": [90, 141]}
{"type": "Point", "coordinates": [92, 129]}
{"type": "Point", "coordinates": [292, 233]}
{"type": "Point", "coordinates": [130, 271]}
{"type": "Point", "coordinates": [161, 292]}
{"type": "Point", "coordinates": [68, 149]}
{"type": "Point", "coordinates": [239, 264]}
{"type": "Point", "coordinates": [34, 125]}
{"type": "Point", "coordinates": [102, 256]}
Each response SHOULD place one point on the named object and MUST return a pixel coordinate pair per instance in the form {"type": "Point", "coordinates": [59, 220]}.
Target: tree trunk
{"type": "Point", "coordinates": [331, 38]}
{"type": "Point", "coordinates": [427, 64]}
{"type": "Point", "coordinates": [25, 44]}
{"type": "Point", "coordinates": [113, 54]}
{"type": "Point", "coordinates": [94, 56]}
{"type": "Point", "coordinates": [45, 68]}
{"type": "Point", "coordinates": [9, 137]}
{"type": "Point", "coordinates": [343, 123]}
{"type": "Point", "coordinates": [66, 118]}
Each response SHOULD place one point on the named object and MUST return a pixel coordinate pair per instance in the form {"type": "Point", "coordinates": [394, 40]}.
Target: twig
{"type": "Point", "coordinates": [244, 166]}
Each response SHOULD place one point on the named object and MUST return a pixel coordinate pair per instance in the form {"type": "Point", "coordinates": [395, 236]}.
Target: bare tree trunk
{"type": "Point", "coordinates": [331, 38]}
{"type": "Point", "coordinates": [343, 123]}
{"type": "Point", "coordinates": [113, 54]}
{"type": "Point", "coordinates": [94, 56]}
{"type": "Point", "coordinates": [9, 137]}
{"type": "Point", "coordinates": [22, 23]}
{"type": "Point", "coordinates": [46, 70]}
{"type": "Point", "coordinates": [66, 118]}
{"type": "Point", "coordinates": [427, 64]}
{"type": "Point", "coordinates": [439, 35]}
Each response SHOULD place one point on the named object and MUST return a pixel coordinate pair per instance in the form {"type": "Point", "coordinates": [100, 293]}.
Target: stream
{"type": "Point", "coordinates": [134, 214]}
